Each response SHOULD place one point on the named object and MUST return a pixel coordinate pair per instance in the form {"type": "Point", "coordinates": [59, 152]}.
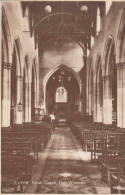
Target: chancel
{"type": "Point", "coordinates": [63, 97]}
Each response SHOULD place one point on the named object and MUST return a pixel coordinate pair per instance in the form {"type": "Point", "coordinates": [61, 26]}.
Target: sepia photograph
{"type": "Point", "coordinates": [62, 97]}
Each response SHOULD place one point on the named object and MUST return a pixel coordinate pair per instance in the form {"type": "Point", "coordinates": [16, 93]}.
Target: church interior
{"type": "Point", "coordinates": [63, 97]}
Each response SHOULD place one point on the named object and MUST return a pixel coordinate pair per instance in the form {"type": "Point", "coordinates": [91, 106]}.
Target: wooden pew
{"type": "Point", "coordinates": [20, 146]}
{"type": "Point", "coordinates": [99, 145]}
{"type": "Point", "coordinates": [111, 157]}
{"type": "Point", "coordinates": [117, 179]}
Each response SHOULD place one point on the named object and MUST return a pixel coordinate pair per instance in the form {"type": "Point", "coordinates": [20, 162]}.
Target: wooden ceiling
{"type": "Point", "coordinates": [65, 20]}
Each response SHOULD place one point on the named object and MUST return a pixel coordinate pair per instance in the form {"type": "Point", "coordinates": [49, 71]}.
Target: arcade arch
{"type": "Point", "coordinates": [16, 87]}
{"type": "Point", "coordinates": [121, 73]}
{"type": "Point", "coordinates": [110, 84]}
{"type": "Point", "coordinates": [6, 71]}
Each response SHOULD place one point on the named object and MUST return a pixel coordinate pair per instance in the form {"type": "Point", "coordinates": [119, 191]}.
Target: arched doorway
{"type": "Point", "coordinates": [62, 92]}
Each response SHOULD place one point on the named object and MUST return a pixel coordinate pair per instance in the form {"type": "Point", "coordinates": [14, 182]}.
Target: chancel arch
{"type": "Point", "coordinates": [62, 78]}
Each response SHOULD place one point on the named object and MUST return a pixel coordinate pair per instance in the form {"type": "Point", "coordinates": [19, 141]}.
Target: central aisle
{"type": "Point", "coordinates": [68, 169]}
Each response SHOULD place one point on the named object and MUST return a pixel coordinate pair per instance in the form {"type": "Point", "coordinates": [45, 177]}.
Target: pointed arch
{"type": "Point", "coordinates": [7, 35]}
{"type": "Point", "coordinates": [5, 71]}
{"type": "Point", "coordinates": [108, 50]}
{"type": "Point", "coordinates": [17, 84]}
{"type": "Point", "coordinates": [120, 57]}
{"type": "Point", "coordinates": [52, 71]}
{"type": "Point", "coordinates": [110, 82]}
{"type": "Point", "coordinates": [17, 48]}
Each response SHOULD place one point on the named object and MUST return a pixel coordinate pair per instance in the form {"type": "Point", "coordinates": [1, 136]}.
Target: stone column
{"type": "Point", "coordinates": [26, 114]}
{"type": "Point", "coordinates": [121, 95]}
{"type": "Point", "coordinates": [35, 100]}
{"type": "Point", "coordinates": [80, 104]}
{"type": "Point", "coordinates": [29, 102]}
{"type": "Point", "coordinates": [9, 89]}
{"type": "Point", "coordinates": [87, 97]}
{"type": "Point", "coordinates": [94, 96]}
{"type": "Point", "coordinates": [79, 98]}
{"type": "Point", "coordinates": [6, 101]}
{"type": "Point", "coordinates": [98, 104]}
{"type": "Point", "coordinates": [19, 101]}
{"type": "Point", "coordinates": [107, 100]}
{"type": "Point", "coordinates": [90, 99]}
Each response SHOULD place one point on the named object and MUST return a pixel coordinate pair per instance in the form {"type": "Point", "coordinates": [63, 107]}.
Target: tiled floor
{"type": "Point", "coordinates": [68, 169]}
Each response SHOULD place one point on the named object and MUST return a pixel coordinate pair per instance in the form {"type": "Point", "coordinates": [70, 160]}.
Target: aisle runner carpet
{"type": "Point", "coordinates": [64, 171]}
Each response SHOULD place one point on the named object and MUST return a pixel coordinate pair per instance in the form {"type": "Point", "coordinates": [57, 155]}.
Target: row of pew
{"type": "Point", "coordinates": [20, 148]}
{"type": "Point", "coordinates": [107, 146]}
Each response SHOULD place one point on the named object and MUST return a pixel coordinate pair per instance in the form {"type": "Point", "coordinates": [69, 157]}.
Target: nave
{"type": "Point", "coordinates": [64, 167]}
{"type": "Point", "coordinates": [62, 60]}
{"type": "Point", "coordinates": [72, 159]}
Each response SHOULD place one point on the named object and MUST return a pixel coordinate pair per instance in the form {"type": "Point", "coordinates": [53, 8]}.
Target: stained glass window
{"type": "Point", "coordinates": [61, 94]}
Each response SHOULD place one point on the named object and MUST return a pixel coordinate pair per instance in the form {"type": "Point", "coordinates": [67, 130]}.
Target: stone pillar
{"type": "Point", "coordinates": [29, 102]}
{"type": "Point", "coordinates": [121, 95]}
{"type": "Point", "coordinates": [26, 114]}
{"type": "Point", "coordinates": [9, 89]}
{"type": "Point", "coordinates": [6, 100]}
{"type": "Point", "coordinates": [87, 97]}
{"type": "Point", "coordinates": [80, 98]}
{"type": "Point", "coordinates": [90, 99]}
{"type": "Point", "coordinates": [98, 104]}
{"type": "Point", "coordinates": [80, 104]}
{"type": "Point", "coordinates": [94, 96]}
{"type": "Point", "coordinates": [107, 100]}
{"type": "Point", "coordinates": [19, 101]}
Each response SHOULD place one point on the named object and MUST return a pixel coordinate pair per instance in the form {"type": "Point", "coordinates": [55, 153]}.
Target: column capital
{"type": "Point", "coordinates": [6, 65]}
{"type": "Point", "coordinates": [106, 77]}
{"type": "Point", "coordinates": [9, 65]}
{"type": "Point", "coordinates": [20, 77]}
{"type": "Point", "coordinates": [120, 65]}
